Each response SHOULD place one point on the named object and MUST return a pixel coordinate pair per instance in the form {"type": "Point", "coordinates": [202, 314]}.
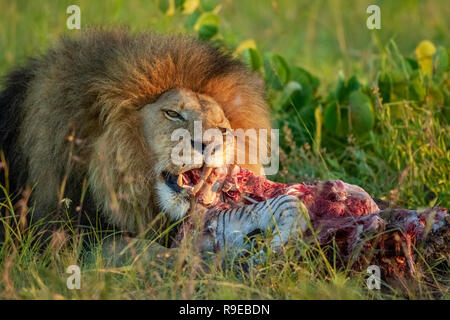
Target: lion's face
{"type": "Point", "coordinates": [178, 110]}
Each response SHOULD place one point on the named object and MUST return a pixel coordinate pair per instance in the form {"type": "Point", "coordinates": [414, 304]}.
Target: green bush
{"type": "Point", "coordinates": [390, 135]}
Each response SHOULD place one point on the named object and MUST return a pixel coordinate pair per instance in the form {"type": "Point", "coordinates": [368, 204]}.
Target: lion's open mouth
{"type": "Point", "coordinates": [190, 180]}
{"type": "Point", "coordinates": [171, 181]}
{"type": "Point", "coordinates": [204, 183]}
{"type": "Point", "coordinates": [186, 180]}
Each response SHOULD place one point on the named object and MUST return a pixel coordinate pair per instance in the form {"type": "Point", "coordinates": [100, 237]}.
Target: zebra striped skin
{"type": "Point", "coordinates": [228, 229]}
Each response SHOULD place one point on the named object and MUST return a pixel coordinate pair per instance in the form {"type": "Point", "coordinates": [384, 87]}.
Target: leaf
{"type": "Point", "coordinates": [417, 90]}
{"type": "Point", "coordinates": [357, 117]}
{"type": "Point", "coordinates": [168, 7]}
{"type": "Point", "coordinates": [277, 71]}
{"type": "Point", "coordinates": [424, 53]}
{"type": "Point", "coordinates": [332, 120]}
{"type": "Point", "coordinates": [304, 78]}
{"type": "Point", "coordinates": [440, 60]}
{"type": "Point", "coordinates": [207, 31]}
{"type": "Point", "coordinates": [344, 88]}
{"type": "Point", "coordinates": [361, 113]}
{"type": "Point", "coordinates": [208, 5]}
{"type": "Point", "coordinates": [207, 19]}
{"type": "Point", "coordinates": [252, 58]}
{"type": "Point", "coordinates": [164, 5]}
{"type": "Point", "coordinates": [250, 54]}
{"type": "Point", "coordinates": [171, 10]}
{"type": "Point", "coordinates": [189, 6]}
{"type": "Point", "coordinates": [179, 4]}
{"type": "Point", "coordinates": [289, 91]}
{"type": "Point", "coordinates": [385, 85]}
{"type": "Point", "coordinates": [412, 63]}
{"type": "Point", "coordinates": [353, 84]}
{"type": "Point", "coordinates": [340, 87]}
{"type": "Point", "coordinates": [247, 44]}
{"type": "Point", "coordinates": [192, 19]}
{"type": "Point", "coordinates": [299, 91]}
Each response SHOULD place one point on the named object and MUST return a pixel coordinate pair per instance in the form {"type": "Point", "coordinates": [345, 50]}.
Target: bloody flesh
{"type": "Point", "coordinates": [338, 211]}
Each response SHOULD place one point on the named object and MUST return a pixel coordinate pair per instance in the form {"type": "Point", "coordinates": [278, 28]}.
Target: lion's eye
{"type": "Point", "coordinates": [173, 115]}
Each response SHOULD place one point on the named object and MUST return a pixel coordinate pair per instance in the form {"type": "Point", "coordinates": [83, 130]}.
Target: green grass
{"type": "Point", "coordinates": [404, 158]}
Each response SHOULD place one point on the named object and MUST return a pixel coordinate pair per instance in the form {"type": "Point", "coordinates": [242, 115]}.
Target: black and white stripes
{"type": "Point", "coordinates": [281, 214]}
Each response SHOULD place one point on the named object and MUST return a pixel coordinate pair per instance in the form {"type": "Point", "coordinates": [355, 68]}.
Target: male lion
{"type": "Point", "coordinates": [96, 114]}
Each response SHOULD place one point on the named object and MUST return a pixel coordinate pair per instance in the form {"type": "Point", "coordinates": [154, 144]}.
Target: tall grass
{"type": "Point", "coordinates": [405, 160]}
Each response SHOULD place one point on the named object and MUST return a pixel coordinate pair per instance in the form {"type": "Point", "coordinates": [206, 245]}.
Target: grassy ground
{"type": "Point", "coordinates": [405, 158]}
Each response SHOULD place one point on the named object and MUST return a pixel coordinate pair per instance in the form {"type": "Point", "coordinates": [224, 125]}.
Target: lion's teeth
{"type": "Point", "coordinates": [180, 180]}
{"type": "Point", "coordinates": [205, 174]}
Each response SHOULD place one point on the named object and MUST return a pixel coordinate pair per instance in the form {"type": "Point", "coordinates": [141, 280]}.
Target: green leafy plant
{"type": "Point", "coordinates": [384, 127]}
{"type": "Point", "coordinates": [352, 120]}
